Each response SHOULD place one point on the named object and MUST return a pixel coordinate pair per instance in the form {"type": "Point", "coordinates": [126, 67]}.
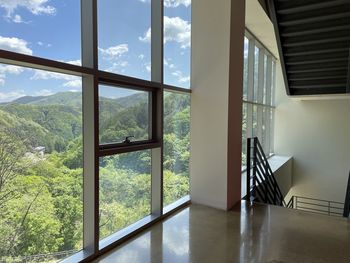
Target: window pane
{"type": "Point", "coordinates": [176, 146]}
{"type": "Point", "coordinates": [245, 72]}
{"type": "Point", "coordinates": [255, 121]}
{"type": "Point", "coordinates": [26, 27]}
{"type": "Point", "coordinates": [272, 125]}
{"type": "Point", "coordinates": [244, 136]}
{"type": "Point", "coordinates": [125, 190]}
{"type": "Point", "coordinates": [263, 138]}
{"type": "Point", "coordinates": [123, 112]}
{"type": "Point", "coordinates": [273, 88]}
{"type": "Point", "coordinates": [124, 37]}
{"type": "Point", "coordinates": [264, 99]}
{"type": "Point", "coordinates": [256, 75]}
{"type": "Point", "coordinates": [41, 209]}
{"type": "Point", "coordinates": [177, 43]}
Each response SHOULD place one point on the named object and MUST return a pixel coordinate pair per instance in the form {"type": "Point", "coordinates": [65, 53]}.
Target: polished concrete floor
{"type": "Point", "coordinates": [258, 234]}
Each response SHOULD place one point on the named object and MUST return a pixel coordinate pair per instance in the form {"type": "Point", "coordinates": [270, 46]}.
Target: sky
{"type": "Point", "coordinates": [51, 29]}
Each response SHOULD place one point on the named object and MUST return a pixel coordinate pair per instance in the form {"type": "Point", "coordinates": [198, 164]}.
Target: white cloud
{"type": "Point", "coordinates": [167, 63]}
{"type": "Point", "coordinates": [172, 3]}
{"type": "Point", "coordinates": [8, 69]}
{"type": "Point", "coordinates": [70, 80]}
{"type": "Point", "coordinates": [180, 77]}
{"type": "Point", "coordinates": [74, 62]}
{"type": "Point", "coordinates": [73, 83]}
{"type": "Point", "coordinates": [9, 96]}
{"type": "Point", "coordinates": [17, 19]}
{"type": "Point", "coordinates": [40, 43]}
{"type": "Point", "coordinates": [45, 75]}
{"type": "Point", "coordinates": [146, 37]}
{"type": "Point", "coordinates": [175, 30]}
{"type": "Point", "coordinates": [118, 66]}
{"type": "Point", "coordinates": [141, 56]}
{"type": "Point", "coordinates": [115, 58]}
{"type": "Point", "coordinates": [15, 44]}
{"type": "Point", "coordinates": [114, 52]}
{"type": "Point", "coordinates": [36, 7]}
{"type": "Point", "coordinates": [176, 3]}
{"type": "Point", "coordinates": [148, 67]}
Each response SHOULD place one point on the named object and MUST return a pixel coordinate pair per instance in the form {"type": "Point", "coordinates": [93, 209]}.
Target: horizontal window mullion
{"type": "Point", "coordinates": [259, 104]}
{"type": "Point", "coordinates": [118, 148]}
{"type": "Point", "coordinates": [176, 89]}
{"type": "Point", "coordinates": [120, 80]}
{"type": "Point", "coordinates": [21, 60]}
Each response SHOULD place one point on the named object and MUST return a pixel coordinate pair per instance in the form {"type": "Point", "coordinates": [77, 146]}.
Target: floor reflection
{"type": "Point", "coordinates": [261, 234]}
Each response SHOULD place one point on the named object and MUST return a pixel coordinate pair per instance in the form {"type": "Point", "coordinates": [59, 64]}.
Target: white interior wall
{"type": "Point", "coordinates": [209, 101]}
{"type": "Point", "coordinates": [316, 133]}
{"type": "Point", "coordinates": [216, 117]}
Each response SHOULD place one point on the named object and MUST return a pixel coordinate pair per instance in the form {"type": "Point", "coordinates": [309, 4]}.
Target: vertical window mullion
{"type": "Point", "coordinates": [272, 118]}
{"type": "Point", "coordinates": [273, 83]}
{"type": "Point", "coordinates": [157, 76]}
{"type": "Point", "coordinates": [251, 65]}
{"type": "Point", "coordinates": [90, 127]}
{"type": "Point", "coordinates": [268, 102]}
{"type": "Point", "coordinates": [260, 95]}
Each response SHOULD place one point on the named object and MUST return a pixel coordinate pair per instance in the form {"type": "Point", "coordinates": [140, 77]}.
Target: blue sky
{"type": "Point", "coordinates": [51, 29]}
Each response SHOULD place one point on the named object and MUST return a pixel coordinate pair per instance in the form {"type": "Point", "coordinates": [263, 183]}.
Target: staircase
{"type": "Point", "coordinates": [313, 37]}
{"type": "Point", "coordinates": [262, 187]}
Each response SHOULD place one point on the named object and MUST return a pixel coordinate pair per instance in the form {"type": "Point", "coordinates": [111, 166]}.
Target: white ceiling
{"type": "Point", "coordinates": [260, 25]}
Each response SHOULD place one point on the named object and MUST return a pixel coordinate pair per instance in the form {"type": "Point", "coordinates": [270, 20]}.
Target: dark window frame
{"type": "Point", "coordinates": [92, 77]}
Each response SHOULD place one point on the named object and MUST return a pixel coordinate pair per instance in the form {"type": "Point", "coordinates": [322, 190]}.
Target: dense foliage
{"type": "Point", "coordinates": [41, 205]}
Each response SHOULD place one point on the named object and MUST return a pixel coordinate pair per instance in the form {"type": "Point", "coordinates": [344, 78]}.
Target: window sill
{"type": "Point", "coordinates": [123, 235]}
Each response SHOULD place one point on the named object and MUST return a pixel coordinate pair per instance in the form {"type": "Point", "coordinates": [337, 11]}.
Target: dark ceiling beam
{"type": "Point", "coordinates": [315, 42]}
{"type": "Point", "coordinates": [313, 38]}
{"type": "Point", "coordinates": [292, 53]}
{"type": "Point", "coordinates": [330, 56]}
{"type": "Point", "coordinates": [308, 32]}
{"type": "Point", "coordinates": [318, 91]}
{"type": "Point", "coordinates": [317, 76]}
{"type": "Point", "coordinates": [321, 86]}
{"type": "Point", "coordinates": [314, 19]}
{"type": "Point", "coordinates": [302, 7]}
{"type": "Point", "coordinates": [316, 28]}
{"type": "Point", "coordinates": [319, 83]}
{"type": "Point", "coordinates": [273, 16]}
{"type": "Point", "coordinates": [295, 77]}
{"type": "Point", "coordinates": [348, 75]}
{"type": "Point", "coordinates": [316, 61]}
{"type": "Point", "coordinates": [327, 69]}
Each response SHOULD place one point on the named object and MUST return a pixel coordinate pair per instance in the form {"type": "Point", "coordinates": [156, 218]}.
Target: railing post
{"type": "Point", "coordinates": [346, 212]}
{"type": "Point", "coordinates": [274, 194]}
{"type": "Point", "coordinates": [254, 166]}
{"type": "Point", "coordinates": [248, 168]}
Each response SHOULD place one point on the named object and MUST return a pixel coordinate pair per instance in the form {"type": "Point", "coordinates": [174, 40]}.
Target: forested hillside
{"type": "Point", "coordinates": [41, 172]}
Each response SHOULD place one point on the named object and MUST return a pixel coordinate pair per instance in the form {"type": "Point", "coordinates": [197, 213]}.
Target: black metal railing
{"type": "Point", "coordinates": [261, 182]}
{"type": "Point", "coordinates": [263, 187]}
{"type": "Point", "coordinates": [346, 211]}
{"type": "Point", "coordinates": [319, 206]}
